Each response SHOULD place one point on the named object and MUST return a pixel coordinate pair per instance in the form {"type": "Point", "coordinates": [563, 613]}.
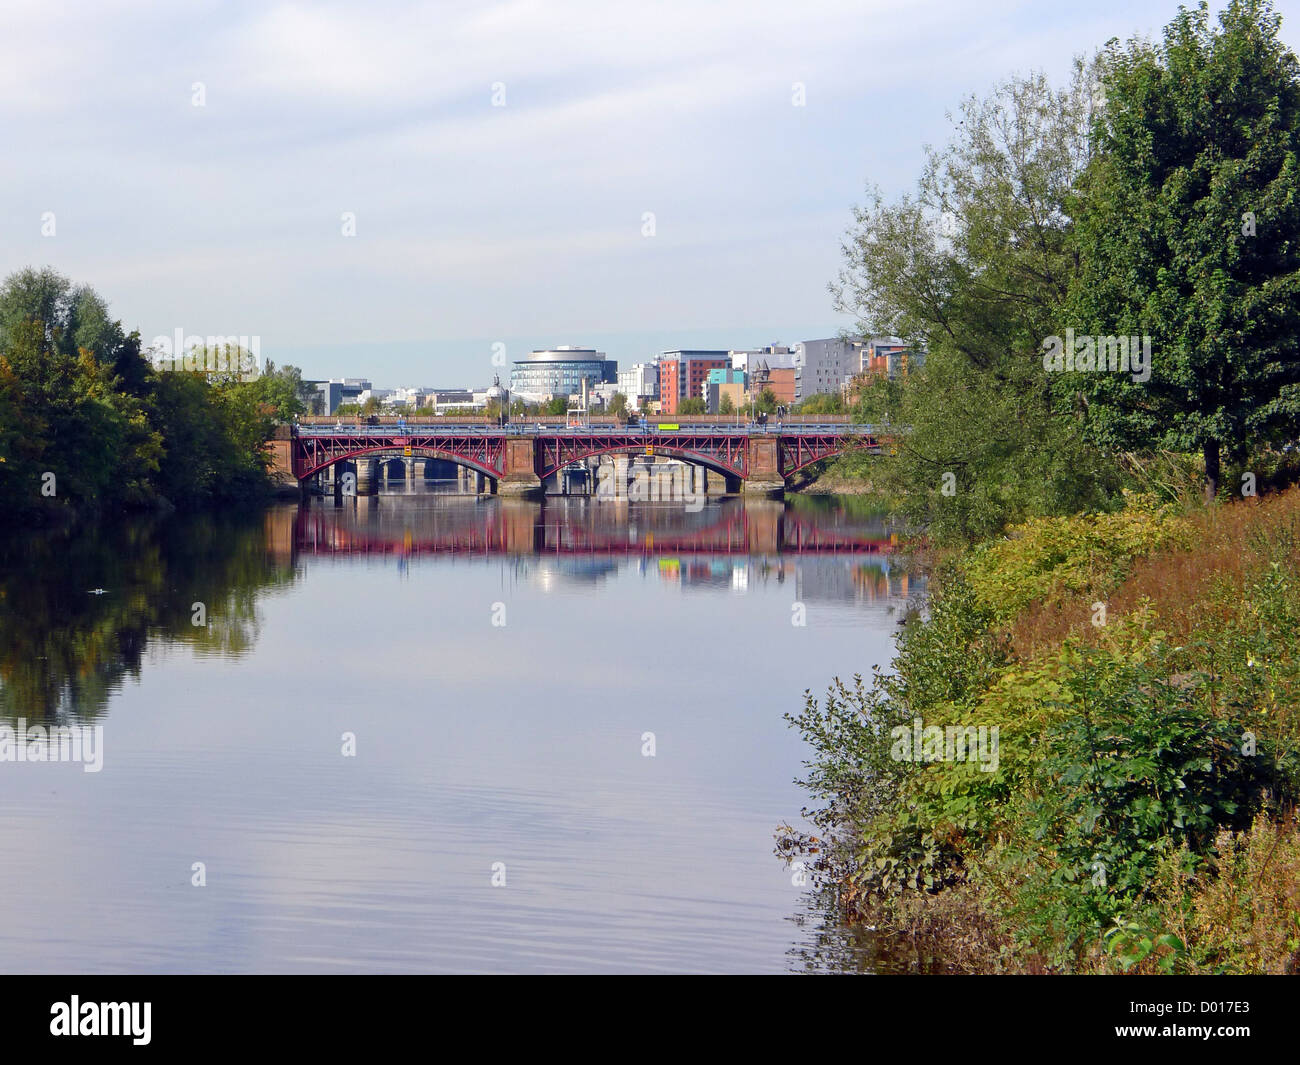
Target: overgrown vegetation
{"type": "Point", "coordinates": [1128, 631]}
{"type": "Point", "coordinates": [1146, 751]}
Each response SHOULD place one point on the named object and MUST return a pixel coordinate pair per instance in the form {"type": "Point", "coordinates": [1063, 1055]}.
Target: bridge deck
{"type": "Point", "coordinates": [736, 450]}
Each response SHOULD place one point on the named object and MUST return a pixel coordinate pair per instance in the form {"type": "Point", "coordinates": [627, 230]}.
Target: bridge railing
{"type": "Point", "coordinates": [692, 420]}
{"type": "Point", "coordinates": [542, 429]}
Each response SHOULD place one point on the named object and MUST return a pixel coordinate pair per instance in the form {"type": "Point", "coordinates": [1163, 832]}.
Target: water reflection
{"type": "Point", "coordinates": [824, 551]}
{"type": "Point", "coordinates": [409, 526]}
{"type": "Point", "coordinates": [520, 744]}
{"type": "Point", "coordinates": [79, 609]}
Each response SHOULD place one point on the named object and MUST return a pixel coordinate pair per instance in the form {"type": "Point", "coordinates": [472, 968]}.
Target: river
{"type": "Point", "coordinates": [428, 732]}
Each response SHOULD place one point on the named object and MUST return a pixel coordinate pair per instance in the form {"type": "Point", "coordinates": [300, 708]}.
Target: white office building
{"type": "Point", "coordinates": [640, 383]}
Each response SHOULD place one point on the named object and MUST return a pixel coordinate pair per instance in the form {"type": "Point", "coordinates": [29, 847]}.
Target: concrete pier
{"type": "Point", "coordinates": [366, 477]}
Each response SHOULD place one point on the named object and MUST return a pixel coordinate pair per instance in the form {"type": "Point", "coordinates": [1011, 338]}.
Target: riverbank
{"type": "Point", "coordinates": [1085, 758]}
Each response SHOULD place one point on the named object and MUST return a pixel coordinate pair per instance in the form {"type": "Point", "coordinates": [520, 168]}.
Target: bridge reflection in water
{"type": "Point", "coordinates": [723, 542]}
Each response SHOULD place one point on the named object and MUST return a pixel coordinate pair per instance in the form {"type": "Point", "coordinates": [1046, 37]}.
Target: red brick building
{"type": "Point", "coordinates": [682, 375]}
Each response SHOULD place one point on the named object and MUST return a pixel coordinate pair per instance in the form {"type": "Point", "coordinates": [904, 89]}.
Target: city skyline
{"type": "Point", "coordinates": [232, 149]}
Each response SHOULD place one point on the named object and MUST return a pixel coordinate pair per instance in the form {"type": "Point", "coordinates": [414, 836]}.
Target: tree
{"type": "Point", "coordinates": [976, 268]}
{"type": "Point", "coordinates": [618, 405]}
{"type": "Point", "coordinates": [279, 391]}
{"type": "Point", "coordinates": [1190, 234]}
{"type": "Point", "coordinates": [693, 405]}
{"type": "Point", "coordinates": [822, 403]}
{"type": "Point", "coordinates": [726, 405]}
{"type": "Point", "coordinates": [79, 400]}
{"type": "Point", "coordinates": [76, 375]}
{"type": "Point", "coordinates": [766, 402]}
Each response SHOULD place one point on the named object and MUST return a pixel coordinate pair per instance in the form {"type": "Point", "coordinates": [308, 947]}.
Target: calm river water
{"type": "Point", "coordinates": [499, 667]}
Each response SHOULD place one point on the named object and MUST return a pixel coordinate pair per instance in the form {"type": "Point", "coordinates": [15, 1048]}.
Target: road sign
{"type": "Point", "coordinates": [649, 450]}
{"type": "Point", "coordinates": [406, 451]}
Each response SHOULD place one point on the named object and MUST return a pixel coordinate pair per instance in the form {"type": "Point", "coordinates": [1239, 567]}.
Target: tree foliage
{"type": "Point", "coordinates": [1189, 231]}
{"type": "Point", "coordinates": [80, 401]}
{"type": "Point", "coordinates": [976, 267]}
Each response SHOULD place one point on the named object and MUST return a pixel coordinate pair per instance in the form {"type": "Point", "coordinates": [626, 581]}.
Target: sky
{"type": "Point", "coordinates": [630, 177]}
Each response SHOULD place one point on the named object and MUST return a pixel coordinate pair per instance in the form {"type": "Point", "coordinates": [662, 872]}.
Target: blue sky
{"type": "Point", "coordinates": [478, 223]}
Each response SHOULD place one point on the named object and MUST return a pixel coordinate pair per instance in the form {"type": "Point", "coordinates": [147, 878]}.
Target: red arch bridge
{"type": "Point", "coordinates": [520, 460]}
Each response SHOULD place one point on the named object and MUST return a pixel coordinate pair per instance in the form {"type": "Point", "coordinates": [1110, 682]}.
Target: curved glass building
{"type": "Point", "coordinates": [561, 371]}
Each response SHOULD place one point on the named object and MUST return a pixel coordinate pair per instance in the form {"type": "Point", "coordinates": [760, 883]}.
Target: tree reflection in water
{"type": "Point", "coordinates": [79, 606]}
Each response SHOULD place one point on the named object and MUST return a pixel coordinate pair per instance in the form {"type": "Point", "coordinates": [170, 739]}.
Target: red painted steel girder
{"type": "Point", "coordinates": [478, 451]}
{"type": "Point", "coordinates": [727, 452]}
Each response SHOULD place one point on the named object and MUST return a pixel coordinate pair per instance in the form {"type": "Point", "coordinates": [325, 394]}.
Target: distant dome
{"type": "Point", "coordinates": [496, 392]}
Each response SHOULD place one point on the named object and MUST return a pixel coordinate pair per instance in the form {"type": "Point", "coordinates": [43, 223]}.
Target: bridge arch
{"type": "Point", "coordinates": [697, 458]}
{"type": "Point", "coordinates": [795, 463]}
{"type": "Point", "coordinates": [389, 452]}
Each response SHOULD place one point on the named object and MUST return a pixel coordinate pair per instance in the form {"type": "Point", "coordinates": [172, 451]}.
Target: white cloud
{"type": "Point", "coordinates": [475, 220]}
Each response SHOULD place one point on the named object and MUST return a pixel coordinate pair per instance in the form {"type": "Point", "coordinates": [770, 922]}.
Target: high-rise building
{"type": "Point", "coordinates": [560, 372]}
{"type": "Point", "coordinates": [823, 367]}
{"type": "Point", "coordinates": [640, 383]}
{"type": "Point", "coordinates": [682, 374]}
{"type": "Point", "coordinates": [340, 390]}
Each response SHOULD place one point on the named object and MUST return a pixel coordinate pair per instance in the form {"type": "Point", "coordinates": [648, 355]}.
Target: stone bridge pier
{"type": "Point", "coordinates": [520, 469]}
{"type": "Point", "coordinates": [763, 467]}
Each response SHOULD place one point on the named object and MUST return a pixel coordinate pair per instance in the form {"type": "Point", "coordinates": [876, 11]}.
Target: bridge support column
{"type": "Point", "coordinates": [763, 467]}
{"type": "Point", "coordinates": [618, 481]}
{"type": "Point", "coordinates": [365, 477]}
{"type": "Point", "coordinates": [520, 469]}
{"type": "Point", "coordinates": [280, 447]}
{"type": "Point", "coordinates": [478, 483]}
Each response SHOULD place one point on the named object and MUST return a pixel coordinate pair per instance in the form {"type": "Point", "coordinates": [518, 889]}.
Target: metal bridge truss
{"type": "Point", "coordinates": [481, 451]}
{"type": "Point", "coordinates": [485, 451]}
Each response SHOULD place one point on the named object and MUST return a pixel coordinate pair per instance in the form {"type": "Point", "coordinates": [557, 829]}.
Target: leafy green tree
{"type": "Point", "coordinates": [78, 399]}
{"type": "Point", "coordinates": [693, 405]}
{"type": "Point", "coordinates": [618, 405]}
{"type": "Point", "coordinates": [1189, 232]}
{"type": "Point", "coordinates": [822, 404]}
{"type": "Point", "coordinates": [279, 391]}
{"type": "Point", "coordinates": [726, 405]}
{"type": "Point", "coordinates": [976, 268]}
{"type": "Point", "coordinates": [766, 402]}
